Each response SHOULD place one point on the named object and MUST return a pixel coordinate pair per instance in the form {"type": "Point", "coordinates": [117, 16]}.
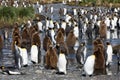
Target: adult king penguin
{"type": "Point", "coordinates": [89, 65]}
{"type": "Point", "coordinates": [34, 54]}
{"type": "Point", "coordinates": [23, 54]}
{"type": "Point", "coordinates": [109, 54]}
{"type": "Point", "coordinates": [81, 53]}
{"type": "Point", "coordinates": [62, 62]}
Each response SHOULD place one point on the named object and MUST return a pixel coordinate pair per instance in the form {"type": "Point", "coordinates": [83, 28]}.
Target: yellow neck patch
{"type": "Point", "coordinates": [93, 56]}
{"type": "Point", "coordinates": [62, 54]}
{"type": "Point", "coordinates": [23, 49]}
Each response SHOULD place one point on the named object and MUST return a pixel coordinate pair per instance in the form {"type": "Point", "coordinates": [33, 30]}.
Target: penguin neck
{"type": "Point", "coordinates": [93, 56]}
{"type": "Point", "coordinates": [61, 54]}
{"type": "Point", "coordinates": [23, 49]}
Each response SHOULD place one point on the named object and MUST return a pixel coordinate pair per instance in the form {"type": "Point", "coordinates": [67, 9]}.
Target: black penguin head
{"type": "Point", "coordinates": [107, 43]}
{"type": "Point", "coordinates": [2, 68]}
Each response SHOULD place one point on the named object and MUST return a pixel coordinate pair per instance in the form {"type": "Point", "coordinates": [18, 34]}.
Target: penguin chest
{"type": "Point", "coordinates": [34, 53]}
{"type": "Point", "coordinates": [76, 45]}
{"type": "Point", "coordinates": [89, 65]}
{"type": "Point", "coordinates": [76, 32]}
{"type": "Point", "coordinates": [109, 53]}
{"type": "Point", "coordinates": [24, 56]}
{"type": "Point", "coordinates": [109, 50]}
{"type": "Point", "coordinates": [62, 63]}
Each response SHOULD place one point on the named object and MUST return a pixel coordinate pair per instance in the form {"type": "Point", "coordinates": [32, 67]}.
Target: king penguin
{"type": "Point", "coordinates": [34, 54]}
{"type": "Point", "coordinates": [18, 58]}
{"type": "Point", "coordinates": [24, 55]}
{"type": "Point", "coordinates": [10, 72]}
{"type": "Point", "coordinates": [89, 65]}
{"type": "Point", "coordinates": [109, 51]}
{"type": "Point", "coordinates": [61, 64]}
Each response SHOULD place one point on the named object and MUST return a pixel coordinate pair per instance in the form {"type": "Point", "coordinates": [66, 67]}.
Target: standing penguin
{"type": "Point", "coordinates": [51, 58]}
{"type": "Point", "coordinates": [62, 62]}
{"type": "Point", "coordinates": [89, 65]}
{"type": "Point", "coordinates": [103, 30]}
{"type": "Point", "coordinates": [23, 54]}
{"type": "Point", "coordinates": [15, 43]}
{"type": "Point", "coordinates": [81, 53]}
{"type": "Point", "coordinates": [109, 51]}
{"type": "Point", "coordinates": [36, 44]}
{"type": "Point", "coordinates": [70, 41]}
{"type": "Point", "coordinates": [76, 31]}
{"type": "Point", "coordinates": [59, 37]}
{"type": "Point", "coordinates": [52, 33]}
{"type": "Point", "coordinates": [99, 61]}
{"type": "Point", "coordinates": [18, 58]}
{"type": "Point", "coordinates": [34, 54]}
{"type": "Point", "coordinates": [46, 42]}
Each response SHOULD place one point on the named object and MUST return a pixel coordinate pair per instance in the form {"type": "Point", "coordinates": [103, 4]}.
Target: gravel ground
{"type": "Point", "coordinates": [38, 72]}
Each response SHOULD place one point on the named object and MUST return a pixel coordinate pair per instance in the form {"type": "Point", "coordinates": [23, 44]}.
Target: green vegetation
{"type": "Point", "coordinates": [11, 14]}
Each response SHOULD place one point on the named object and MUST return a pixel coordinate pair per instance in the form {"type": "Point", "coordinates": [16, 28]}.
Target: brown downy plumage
{"type": "Point", "coordinates": [51, 58]}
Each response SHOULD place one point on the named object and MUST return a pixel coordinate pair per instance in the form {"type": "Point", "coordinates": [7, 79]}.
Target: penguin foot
{"type": "Point", "coordinates": [33, 62]}
{"type": "Point", "coordinates": [25, 65]}
{"type": "Point", "coordinates": [83, 74]}
{"type": "Point", "coordinates": [60, 73]}
{"type": "Point", "coordinates": [90, 75]}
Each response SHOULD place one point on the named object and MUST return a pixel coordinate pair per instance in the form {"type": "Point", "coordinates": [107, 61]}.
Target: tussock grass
{"type": "Point", "coordinates": [10, 15]}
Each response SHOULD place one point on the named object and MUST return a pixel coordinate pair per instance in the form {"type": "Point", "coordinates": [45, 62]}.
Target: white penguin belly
{"type": "Point", "coordinates": [34, 53]}
{"type": "Point", "coordinates": [109, 55]}
{"type": "Point", "coordinates": [24, 56]}
{"type": "Point", "coordinates": [62, 63]}
{"type": "Point", "coordinates": [89, 65]}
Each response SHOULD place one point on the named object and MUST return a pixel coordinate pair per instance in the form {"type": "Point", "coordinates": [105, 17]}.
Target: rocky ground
{"type": "Point", "coordinates": [38, 73]}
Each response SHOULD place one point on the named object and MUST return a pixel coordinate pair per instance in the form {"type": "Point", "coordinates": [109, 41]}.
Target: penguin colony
{"type": "Point", "coordinates": [63, 45]}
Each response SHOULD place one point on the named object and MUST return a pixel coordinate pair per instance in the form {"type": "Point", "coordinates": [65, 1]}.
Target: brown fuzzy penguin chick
{"type": "Point", "coordinates": [100, 60]}
{"type": "Point", "coordinates": [36, 39]}
{"type": "Point", "coordinates": [51, 58]}
{"type": "Point", "coordinates": [46, 42]}
{"type": "Point", "coordinates": [71, 39]}
{"type": "Point", "coordinates": [59, 37]}
{"type": "Point", "coordinates": [102, 30]}
{"type": "Point", "coordinates": [62, 30]}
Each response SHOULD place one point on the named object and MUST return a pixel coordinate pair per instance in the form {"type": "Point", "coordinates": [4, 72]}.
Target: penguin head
{"type": "Point", "coordinates": [2, 67]}
{"type": "Point", "coordinates": [62, 49]}
{"type": "Point", "coordinates": [107, 43]}
{"type": "Point", "coordinates": [82, 44]}
{"type": "Point", "coordinates": [57, 45]}
{"type": "Point", "coordinates": [50, 46]}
